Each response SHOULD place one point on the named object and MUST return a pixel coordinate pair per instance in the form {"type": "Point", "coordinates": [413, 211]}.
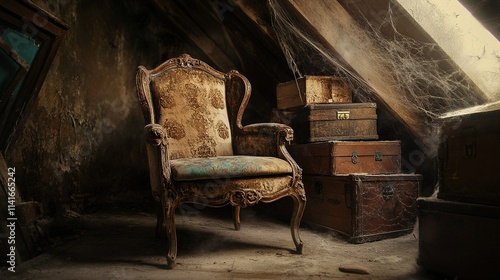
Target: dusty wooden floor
{"type": "Point", "coordinates": [120, 244]}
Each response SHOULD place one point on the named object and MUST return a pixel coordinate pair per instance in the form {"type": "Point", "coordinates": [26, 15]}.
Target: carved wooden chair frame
{"type": "Point", "coordinates": [263, 139]}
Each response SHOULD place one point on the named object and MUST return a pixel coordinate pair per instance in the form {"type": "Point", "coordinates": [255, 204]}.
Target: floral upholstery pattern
{"type": "Point", "coordinates": [190, 169]}
{"type": "Point", "coordinates": [193, 119]}
{"type": "Point", "coordinates": [193, 112]}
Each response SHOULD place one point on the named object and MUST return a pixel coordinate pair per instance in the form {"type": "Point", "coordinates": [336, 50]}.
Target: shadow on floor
{"type": "Point", "coordinates": [121, 244]}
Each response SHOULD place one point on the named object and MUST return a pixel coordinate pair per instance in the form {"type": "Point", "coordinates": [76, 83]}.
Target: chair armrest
{"type": "Point", "coordinates": [267, 139]}
{"type": "Point", "coordinates": [262, 139]}
{"type": "Point", "coordinates": [270, 129]}
{"type": "Point", "coordinates": [158, 159]}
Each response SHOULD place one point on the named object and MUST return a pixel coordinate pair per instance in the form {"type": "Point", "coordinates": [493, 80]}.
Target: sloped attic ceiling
{"type": "Point", "coordinates": [239, 34]}
{"type": "Point", "coordinates": [231, 35]}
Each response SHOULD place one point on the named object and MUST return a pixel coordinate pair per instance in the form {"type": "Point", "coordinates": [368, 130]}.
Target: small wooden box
{"type": "Point", "coordinates": [324, 122]}
{"type": "Point", "coordinates": [347, 157]}
{"type": "Point", "coordinates": [459, 240]}
{"type": "Point", "coordinates": [470, 158]}
{"type": "Point", "coordinates": [363, 207]}
{"type": "Point", "coordinates": [311, 90]}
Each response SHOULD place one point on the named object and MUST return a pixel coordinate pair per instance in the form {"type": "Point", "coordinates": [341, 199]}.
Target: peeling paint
{"type": "Point", "coordinates": [83, 136]}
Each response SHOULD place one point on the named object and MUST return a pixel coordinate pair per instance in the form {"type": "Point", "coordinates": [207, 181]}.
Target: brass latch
{"type": "Point", "coordinates": [378, 155]}
{"type": "Point", "coordinates": [343, 115]}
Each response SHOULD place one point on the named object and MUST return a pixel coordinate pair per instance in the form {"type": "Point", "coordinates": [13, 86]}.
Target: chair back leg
{"type": "Point", "coordinates": [160, 221]}
{"type": "Point", "coordinates": [236, 217]}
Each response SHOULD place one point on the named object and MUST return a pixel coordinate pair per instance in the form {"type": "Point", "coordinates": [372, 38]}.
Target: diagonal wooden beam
{"type": "Point", "coordinates": [183, 22]}
{"type": "Point", "coordinates": [342, 35]}
{"type": "Point", "coordinates": [207, 18]}
{"type": "Point", "coordinates": [256, 11]}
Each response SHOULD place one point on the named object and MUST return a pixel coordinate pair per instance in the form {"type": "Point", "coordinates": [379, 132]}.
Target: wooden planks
{"type": "Point", "coordinates": [312, 89]}
{"type": "Point", "coordinates": [363, 207]}
{"type": "Point", "coordinates": [457, 239]}
{"type": "Point", "coordinates": [330, 21]}
{"type": "Point", "coordinates": [345, 157]}
{"type": "Point", "coordinates": [335, 121]}
{"type": "Point", "coordinates": [175, 14]}
{"type": "Point", "coordinates": [470, 158]}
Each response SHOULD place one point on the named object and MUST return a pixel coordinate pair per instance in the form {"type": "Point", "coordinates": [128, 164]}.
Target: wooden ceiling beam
{"type": "Point", "coordinates": [254, 14]}
{"type": "Point", "coordinates": [184, 23]}
{"type": "Point", "coordinates": [220, 30]}
{"type": "Point", "coordinates": [207, 18]}
{"type": "Point", "coordinates": [341, 34]}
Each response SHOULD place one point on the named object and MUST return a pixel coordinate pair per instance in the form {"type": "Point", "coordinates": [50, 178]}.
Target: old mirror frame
{"type": "Point", "coordinates": [29, 39]}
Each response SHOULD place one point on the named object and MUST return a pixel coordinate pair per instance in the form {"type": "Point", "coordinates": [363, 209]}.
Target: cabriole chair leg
{"type": "Point", "coordinates": [169, 214]}
{"type": "Point", "coordinates": [298, 210]}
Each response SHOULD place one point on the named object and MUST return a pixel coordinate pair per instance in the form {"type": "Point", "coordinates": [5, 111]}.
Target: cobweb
{"type": "Point", "coordinates": [424, 76]}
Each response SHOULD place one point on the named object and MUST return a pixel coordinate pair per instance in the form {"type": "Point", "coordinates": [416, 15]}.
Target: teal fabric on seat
{"type": "Point", "coordinates": [189, 169]}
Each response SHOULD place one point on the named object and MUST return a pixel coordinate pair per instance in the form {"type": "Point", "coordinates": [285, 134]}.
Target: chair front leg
{"type": "Point", "coordinates": [299, 204]}
{"type": "Point", "coordinates": [169, 215]}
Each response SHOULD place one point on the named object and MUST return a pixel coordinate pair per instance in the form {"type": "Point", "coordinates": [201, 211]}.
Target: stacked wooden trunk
{"type": "Point", "coordinates": [459, 229]}
{"type": "Point", "coordinates": [353, 181]}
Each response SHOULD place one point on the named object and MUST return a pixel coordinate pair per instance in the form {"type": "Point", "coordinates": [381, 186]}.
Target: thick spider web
{"type": "Point", "coordinates": [424, 75]}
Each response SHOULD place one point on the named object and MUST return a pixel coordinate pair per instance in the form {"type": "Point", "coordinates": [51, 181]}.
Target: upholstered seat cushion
{"type": "Point", "coordinates": [189, 169]}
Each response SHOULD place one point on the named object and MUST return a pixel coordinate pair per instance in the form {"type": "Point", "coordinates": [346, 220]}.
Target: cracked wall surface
{"type": "Point", "coordinates": [83, 136]}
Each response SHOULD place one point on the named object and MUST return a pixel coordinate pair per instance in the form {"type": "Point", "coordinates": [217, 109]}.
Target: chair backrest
{"type": "Point", "coordinates": [188, 98]}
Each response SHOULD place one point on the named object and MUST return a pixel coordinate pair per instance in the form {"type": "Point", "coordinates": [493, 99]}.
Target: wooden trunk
{"type": "Point", "coordinates": [459, 240]}
{"type": "Point", "coordinates": [346, 157]}
{"type": "Point", "coordinates": [324, 122]}
{"type": "Point", "coordinates": [311, 90]}
{"type": "Point", "coordinates": [470, 159]}
{"type": "Point", "coordinates": [363, 207]}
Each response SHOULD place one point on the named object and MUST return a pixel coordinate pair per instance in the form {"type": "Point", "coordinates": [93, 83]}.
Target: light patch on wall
{"type": "Point", "coordinates": [469, 44]}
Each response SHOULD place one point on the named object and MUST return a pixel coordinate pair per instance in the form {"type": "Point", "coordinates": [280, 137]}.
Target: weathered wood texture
{"type": "Point", "coordinates": [331, 21]}
{"type": "Point", "coordinates": [48, 33]}
{"type": "Point", "coordinates": [363, 207]}
{"type": "Point", "coordinates": [182, 163]}
{"type": "Point", "coordinates": [470, 158]}
{"type": "Point", "coordinates": [459, 240]}
{"type": "Point", "coordinates": [233, 35]}
{"type": "Point", "coordinates": [346, 157]}
{"type": "Point", "coordinates": [220, 56]}
{"type": "Point", "coordinates": [345, 121]}
{"type": "Point", "coordinates": [311, 90]}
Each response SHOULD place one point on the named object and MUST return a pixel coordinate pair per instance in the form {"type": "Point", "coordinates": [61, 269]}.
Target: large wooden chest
{"type": "Point", "coordinates": [470, 158]}
{"type": "Point", "coordinates": [311, 90]}
{"type": "Point", "coordinates": [324, 122]}
{"type": "Point", "coordinates": [346, 157]}
{"type": "Point", "coordinates": [459, 240]}
{"type": "Point", "coordinates": [363, 207]}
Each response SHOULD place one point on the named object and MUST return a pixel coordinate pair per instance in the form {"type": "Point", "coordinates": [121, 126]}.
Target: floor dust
{"type": "Point", "coordinates": [120, 244]}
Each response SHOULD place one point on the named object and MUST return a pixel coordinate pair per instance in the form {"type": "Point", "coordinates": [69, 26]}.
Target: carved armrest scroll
{"type": "Point", "coordinates": [155, 134]}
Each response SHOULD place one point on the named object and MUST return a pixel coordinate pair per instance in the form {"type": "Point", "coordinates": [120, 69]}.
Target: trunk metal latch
{"type": "Point", "coordinates": [354, 157]}
{"type": "Point", "coordinates": [388, 192]}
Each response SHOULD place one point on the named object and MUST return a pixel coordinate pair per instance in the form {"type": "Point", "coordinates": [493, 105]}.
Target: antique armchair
{"type": "Point", "coordinates": [199, 152]}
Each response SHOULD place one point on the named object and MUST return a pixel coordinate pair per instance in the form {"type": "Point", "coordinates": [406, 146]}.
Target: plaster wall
{"type": "Point", "coordinates": [82, 138]}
